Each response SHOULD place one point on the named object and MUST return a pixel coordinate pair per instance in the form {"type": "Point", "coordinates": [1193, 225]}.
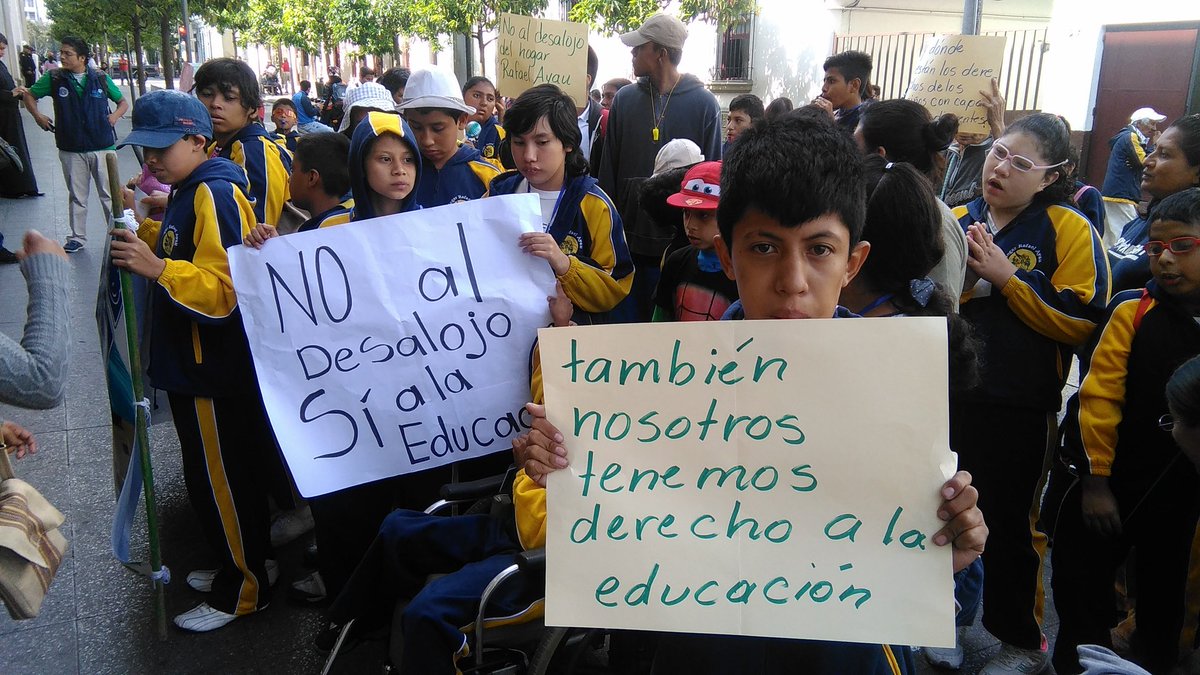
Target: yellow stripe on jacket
{"type": "Point", "coordinates": [204, 284]}
{"type": "Point", "coordinates": [269, 177]}
{"type": "Point", "coordinates": [529, 498]}
{"type": "Point", "coordinates": [1102, 391]}
{"type": "Point", "coordinates": [1079, 252]}
{"type": "Point", "coordinates": [593, 288]}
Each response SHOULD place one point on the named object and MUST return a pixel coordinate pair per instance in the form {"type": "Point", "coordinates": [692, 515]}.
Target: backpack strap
{"type": "Point", "coordinates": [1142, 308]}
{"type": "Point", "coordinates": [1082, 189]}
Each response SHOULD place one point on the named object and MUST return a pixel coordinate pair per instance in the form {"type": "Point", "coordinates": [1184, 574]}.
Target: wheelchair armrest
{"type": "Point", "coordinates": [532, 560]}
{"type": "Point", "coordinates": [475, 489]}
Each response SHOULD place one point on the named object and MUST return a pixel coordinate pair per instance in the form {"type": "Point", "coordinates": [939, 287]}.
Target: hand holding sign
{"type": "Point", "coordinates": [950, 69]}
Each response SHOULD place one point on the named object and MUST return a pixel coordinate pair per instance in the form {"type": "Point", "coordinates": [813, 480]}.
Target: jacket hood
{"type": "Point", "coordinates": [374, 125]}
{"type": "Point", "coordinates": [687, 82]}
{"type": "Point", "coordinates": [217, 168]}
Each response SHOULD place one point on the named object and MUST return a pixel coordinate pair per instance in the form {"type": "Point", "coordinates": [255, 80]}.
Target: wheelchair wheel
{"type": "Point", "coordinates": [568, 651]}
{"type": "Point", "coordinates": [552, 639]}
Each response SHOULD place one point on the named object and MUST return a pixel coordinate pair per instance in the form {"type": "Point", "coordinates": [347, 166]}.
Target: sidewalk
{"type": "Point", "coordinates": [99, 617]}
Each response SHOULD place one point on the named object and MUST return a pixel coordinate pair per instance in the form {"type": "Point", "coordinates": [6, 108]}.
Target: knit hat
{"type": "Point", "coordinates": [367, 95]}
{"type": "Point", "coordinates": [701, 188]}
{"type": "Point", "coordinates": [434, 89]}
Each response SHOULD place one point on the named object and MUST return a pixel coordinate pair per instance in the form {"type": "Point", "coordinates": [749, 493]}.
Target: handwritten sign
{"type": "Point", "coordinates": [395, 344]}
{"type": "Point", "coordinates": [535, 51]}
{"type": "Point", "coordinates": [770, 478]}
{"type": "Point", "coordinates": [951, 72]}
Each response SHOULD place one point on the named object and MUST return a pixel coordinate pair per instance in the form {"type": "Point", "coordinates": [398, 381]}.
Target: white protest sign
{"type": "Point", "coordinates": [532, 51]}
{"type": "Point", "coordinates": [395, 344]}
{"type": "Point", "coordinates": [951, 72]}
{"type": "Point", "coordinates": [770, 478]}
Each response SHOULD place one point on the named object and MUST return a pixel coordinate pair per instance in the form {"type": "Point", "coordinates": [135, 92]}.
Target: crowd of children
{"type": "Point", "coordinates": [798, 221]}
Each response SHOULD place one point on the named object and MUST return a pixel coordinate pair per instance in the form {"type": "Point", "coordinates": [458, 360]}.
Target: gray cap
{"type": "Point", "coordinates": [661, 29]}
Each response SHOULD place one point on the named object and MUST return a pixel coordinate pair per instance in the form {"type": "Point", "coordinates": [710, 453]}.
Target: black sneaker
{"type": "Point", "coordinates": [73, 246]}
{"type": "Point", "coordinates": [7, 257]}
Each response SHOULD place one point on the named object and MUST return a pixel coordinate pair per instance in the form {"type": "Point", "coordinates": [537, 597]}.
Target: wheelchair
{"type": "Point", "coordinates": [520, 644]}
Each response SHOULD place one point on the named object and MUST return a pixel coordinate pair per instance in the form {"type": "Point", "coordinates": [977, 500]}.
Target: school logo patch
{"type": "Point", "coordinates": [168, 240]}
{"type": "Point", "coordinates": [489, 151]}
{"type": "Point", "coordinates": [63, 93]}
{"type": "Point", "coordinates": [569, 245]}
{"type": "Point", "coordinates": [1025, 258]}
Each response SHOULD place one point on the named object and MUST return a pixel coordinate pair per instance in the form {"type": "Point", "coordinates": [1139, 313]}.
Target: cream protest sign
{"type": "Point", "coordinates": [534, 51]}
{"type": "Point", "coordinates": [951, 72]}
{"type": "Point", "coordinates": [770, 478]}
{"type": "Point", "coordinates": [395, 344]}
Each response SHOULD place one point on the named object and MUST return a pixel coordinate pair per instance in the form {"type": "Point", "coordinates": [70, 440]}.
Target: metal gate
{"type": "Point", "coordinates": [895, 54]}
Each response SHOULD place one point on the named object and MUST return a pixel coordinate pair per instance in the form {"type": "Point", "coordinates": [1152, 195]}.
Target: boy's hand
{"type": "Point", "coordinates": [18, 92]}
{"type": "Point", "coordinates": [129, 252]}
{"type": "Point", "coordinates": [43, 122]}
{"type": "Point", "coordinates": [155, 200]}
{"type": "Point", "coordinates": [987, 259]}
{"type": "Point", "coordinates": [127, 198]}
{"type": "Point", "coordinates": [561, 308]}
{"type": "Point", "coordinates": [17, 439]}
{"type": "Point", "coordinates": [542, 454]}
{"type": "Point", "coordinates": [35, 243]}
{"type": "Point", "coordinates": [994, 103]}
{"type": "Point", "coordinates": [965, 528]}
{"type": "Point", "coordinates": [1100, 512]}
{"type": "Point", "coordinates": [824, 104]}
{"type": "Point", "coordinates": [259, 235]}
{"type": "Point", "coordinates": [542, 245]}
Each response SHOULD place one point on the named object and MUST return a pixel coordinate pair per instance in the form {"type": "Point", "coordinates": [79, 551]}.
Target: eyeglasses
{"type": "Point", "coordinates": [1019, 162]}
{"type": "Point", "coordinates": [1166, 423]}
{"type": "Point", "coordinates": [1178, 245]}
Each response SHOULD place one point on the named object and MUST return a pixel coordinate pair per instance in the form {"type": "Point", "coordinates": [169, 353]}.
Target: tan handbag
{"type": "Point", "coordinates": [31, 547]}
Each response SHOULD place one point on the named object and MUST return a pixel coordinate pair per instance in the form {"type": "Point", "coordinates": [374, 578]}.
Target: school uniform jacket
{"type": "Point", "coordinates": [491, 136]}
{"type": "Point", "coordinates": [464, 177]}
{"type": "Point", "coordinates": [338, 215]}
{"type": "Point", "coordinates": [1123, 178]}
{"type": "Point", "coordinates": [1051, 305]}
{"type": "Point", "coordinates": [374, 125]}
{"type": "Point", "coordinates": [267, 163]}
{"type": "Point", "coordinates": [1112, 426]}
{"type": "Point", "coordinates": [819, 657]}
{"type": "Point", "coordinates": [588, 229]}
{"type": "Point", "coordinates": [197, 344]}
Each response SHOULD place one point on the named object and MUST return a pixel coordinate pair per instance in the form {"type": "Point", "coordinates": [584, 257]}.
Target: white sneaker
{"type": "Point", "coordinates": [202, 580]}
{"type": "Point", "coordinates": [290, 525]}
{"type": "Point", "coordinates": [309, 589]}
{"type": "Point", "coordinates": [947, 657]}
{"type": "Point", "coordinates": [1016, 661]}
{"type": "Point", "coordinates": [202, 618]}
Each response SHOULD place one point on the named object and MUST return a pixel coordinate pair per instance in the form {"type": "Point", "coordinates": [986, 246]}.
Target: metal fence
{"type": "Point", "coordinates": [895, 54]}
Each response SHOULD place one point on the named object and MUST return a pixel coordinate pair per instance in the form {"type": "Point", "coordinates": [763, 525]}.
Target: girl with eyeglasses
{"type": "Point", "coordinates": [1135, 490]}
{"type": "Point", "coordinates": [1173, 165]}
{"type": "Point", "coordinates": [1037, 284]}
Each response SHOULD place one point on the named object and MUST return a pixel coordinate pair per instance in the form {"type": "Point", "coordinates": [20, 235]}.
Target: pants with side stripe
{"type": "Point", "coordinates": [1006, 449]}
{"type": "Point", "coordinates": [225, 442]}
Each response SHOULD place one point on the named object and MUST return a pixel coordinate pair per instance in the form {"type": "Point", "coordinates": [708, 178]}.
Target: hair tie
{"type": "Point", "coordinates": [922, 290]}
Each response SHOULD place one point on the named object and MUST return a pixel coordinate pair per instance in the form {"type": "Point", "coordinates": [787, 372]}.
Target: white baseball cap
{"type": "Point", "coordinates": [661, 29]}
{"type": "Point", "coordinates": [1146, 114]}
{"type": "Point", "coordinates": [434, 89]}
{"type": "Point", "coordinates": [677, 154]}
{"type": "Point", "coordinates": [367, 95]}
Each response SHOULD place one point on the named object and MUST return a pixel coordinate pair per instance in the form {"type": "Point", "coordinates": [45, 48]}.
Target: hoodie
{"type": "Point", "coordinates": [588, 229]}
{"type": "Point", "coordinates": [370, 128]}
{"type": "Point", "coordinates": [463, 177]}
{"type": "Point", "coordinates": [197, 344]}
{"type": "Point", "coordinates": [267, 163]}
{"type": "Point", "coordinates": [689, 111]}
{"type": "Point", "coordinates": [1123, 178]}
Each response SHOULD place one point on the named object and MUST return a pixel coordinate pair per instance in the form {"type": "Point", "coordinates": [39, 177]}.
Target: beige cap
{"type": "Point", "coordinates": [661, 29]}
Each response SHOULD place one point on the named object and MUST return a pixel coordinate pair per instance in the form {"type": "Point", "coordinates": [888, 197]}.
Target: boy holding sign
{"type": "Point", "coordinates": [790, 257]}
{"type": "Point", "coordinates": [198, 350]}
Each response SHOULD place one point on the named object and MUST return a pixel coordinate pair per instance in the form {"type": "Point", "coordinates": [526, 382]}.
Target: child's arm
{"type": "Point", "coordinates": [268, 176]}
{"type": "Point", "coordinates": [1065, 307]}
{"type": "Point", "coordinates": [598, 279]}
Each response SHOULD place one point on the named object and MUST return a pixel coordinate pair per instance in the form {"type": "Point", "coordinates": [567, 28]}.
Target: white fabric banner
{"type": "Point", "coordinates": [395, 344]}
{"type": "Point", "coordinates": [770, 478]}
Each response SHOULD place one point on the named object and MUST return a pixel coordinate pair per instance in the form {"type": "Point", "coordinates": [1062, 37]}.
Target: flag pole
{"type": "Point", "coordinates": [141, 410]}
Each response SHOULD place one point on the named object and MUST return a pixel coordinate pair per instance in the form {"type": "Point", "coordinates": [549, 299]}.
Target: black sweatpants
{"type": "Point", "coordinates": [1161, 525]}
{"type": "Point", "coordinates": [1006, 449]}
{"type": "Point", "coordinates": [225, 444]}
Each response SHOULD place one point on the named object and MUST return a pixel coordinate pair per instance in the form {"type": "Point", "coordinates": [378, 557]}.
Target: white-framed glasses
{"type": "Point", "coordinates": [1166, 422]}
{"type": "Point", "coordinates": [1020, 162]}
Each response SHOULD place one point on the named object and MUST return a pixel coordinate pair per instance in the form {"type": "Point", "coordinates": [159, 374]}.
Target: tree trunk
{"type": "Point", "coordinates": [482, 58]}
{"type": "Point", "coordinates": [164, 27]}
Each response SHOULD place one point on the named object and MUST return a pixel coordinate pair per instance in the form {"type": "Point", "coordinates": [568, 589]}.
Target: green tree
{"type": "Point", "coordinates": [620, 16]}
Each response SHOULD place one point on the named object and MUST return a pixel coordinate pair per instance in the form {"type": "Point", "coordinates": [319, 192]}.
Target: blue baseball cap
{"type": "Point", "coordinates": [162, 117]}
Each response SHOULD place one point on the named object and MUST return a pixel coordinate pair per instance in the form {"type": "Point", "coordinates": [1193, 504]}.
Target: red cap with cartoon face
{"type": "Point", "coordinates": [700, 189]}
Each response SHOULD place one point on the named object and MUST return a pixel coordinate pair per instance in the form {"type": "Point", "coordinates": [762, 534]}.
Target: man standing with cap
{"type": "Point", "coordinates": [1123, 180]}
{"type": "Point", "coordinates": [664, 105]}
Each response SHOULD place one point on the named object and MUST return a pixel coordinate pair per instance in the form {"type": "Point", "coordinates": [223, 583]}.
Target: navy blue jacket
{"type": "Point", "coordinates": [81, 119]}
{"type": "Point", "coordinates": [1123, 179]}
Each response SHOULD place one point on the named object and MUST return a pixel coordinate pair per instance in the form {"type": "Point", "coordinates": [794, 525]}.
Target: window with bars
{"type": "Point", "coordinates": [733, 51]}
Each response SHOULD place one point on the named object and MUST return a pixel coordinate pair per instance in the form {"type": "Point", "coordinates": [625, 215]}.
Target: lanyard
{"type": "Point", "coordinates": [877, 302]}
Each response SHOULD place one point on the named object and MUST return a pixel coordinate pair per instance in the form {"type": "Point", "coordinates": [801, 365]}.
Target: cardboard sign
{"type": "Point", "coordinates": [769, 478]}
{"type": "Point", "coordinates": [951, 72]}
{"type": "Point", "coordinates": [535, 51]}
{"type": "Point", "coordinates": [395, 344]}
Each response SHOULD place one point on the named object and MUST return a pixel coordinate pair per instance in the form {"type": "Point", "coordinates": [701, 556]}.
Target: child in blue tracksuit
{"type": "Point", "coordinates": [480, 93]}
{"type": "Point", "coordinates": [790, 216]}
{"type": "Point", "coordinates": [433, 107]}
{"type": "Point", "coordinates": [583, 241]}
{"type": "Point", "coordinates": [198, 351]}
